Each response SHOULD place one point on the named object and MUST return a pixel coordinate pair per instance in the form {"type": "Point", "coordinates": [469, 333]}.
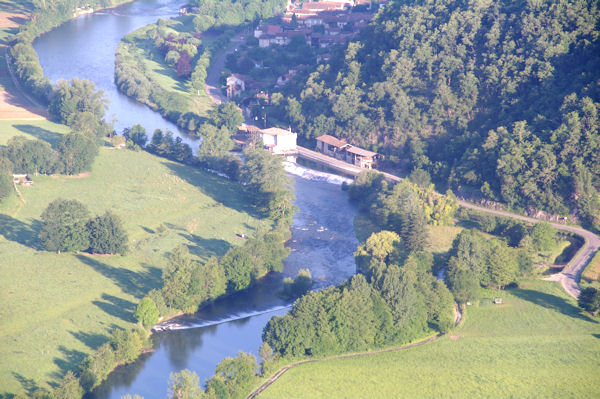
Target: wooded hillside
{"type": "Point", "coordinates": [501, 97]}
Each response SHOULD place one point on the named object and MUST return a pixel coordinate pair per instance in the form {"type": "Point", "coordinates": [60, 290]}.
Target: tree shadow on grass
{"type": "Point", "coordinates": [117, 307]}
{"type": "Point", "coordinates": [15, 230]}
{"type": "Point", "coordinates": [132, 283]}
{"type": "Point", "coordinates": [204, 248]}
{"type": "Point", "coordinates": [69, 362]}
{"type": "Point", "coordinates": [218, 188]}
{"type": "Point", "coordinates": [28, 384]}
{"type": "Point", "coordinates": [40, 133]}
{"type": "Point", "coordinates": [91, 340]}
{"type": "Point", "coordinates": [552, 302]}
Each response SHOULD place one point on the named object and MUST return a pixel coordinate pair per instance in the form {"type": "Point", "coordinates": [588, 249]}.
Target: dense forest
{"type": "Point", "coordinates": [496, 98]}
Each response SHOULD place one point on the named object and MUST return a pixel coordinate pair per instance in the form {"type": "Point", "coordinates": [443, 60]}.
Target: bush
{"type": "Point", "coordinates": [147, 313]}
{"type": "Point", "coordinates": [106, 235]}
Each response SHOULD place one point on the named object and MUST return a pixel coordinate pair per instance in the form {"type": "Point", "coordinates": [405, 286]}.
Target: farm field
{"type": "Point", "coordinates": [536, 344]}
{"type": "Point", "coordinates": [58, 307]}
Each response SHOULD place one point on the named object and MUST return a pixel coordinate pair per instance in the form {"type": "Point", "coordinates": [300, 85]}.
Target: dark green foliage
{"type": "Point", "coordinates": [184, 385]}
{"type": "Point", "coordinates": [589, 300]}
{"type": "Point", "coordinates": [77, 97]}
{"type": "Point", "coordinates": [476, 261]}
{"type": "Point", "coordinates": [147, 313]}
{"type": "Point", "coordinates": [501, 97]}
{"type": "Point", "coordinates": [164, 145]}
{"type": "Point", "coordinates": [137, 134]}
{"type": "Point", "coordinates": [76, 152]}
{"type": "Point", "coordinates": [265, 180]}
{"type": "Point", "coordinates": [68, 388]}
{"type": "Point", "coordinates": [227, 115]}
{"type": "Point", "coordinates": [107, 235]}
{"type": "Point", "coordinates": [6, 182]}
{"type": "Point", "coordinates": [96, 366]}
{"type": "Point", "coordinates": [234, 377]}
{"type": "Point", "coordinates": [366, 187]}
{"type": "Point", "coordinates": [126, 344]}
{"type": "Point", "coordinates": [294, 288]}
{"type": "Point", "coordinates": [394, 308]}
{"type": "Point", "coordinates": [63, 226]}
{"type": "Point", "coordinates": [543, 236]}
{"type": "Point", "coordinates": [29, 156]}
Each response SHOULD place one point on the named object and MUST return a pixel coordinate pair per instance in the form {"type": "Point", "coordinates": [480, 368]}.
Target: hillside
{"type": "Point", "coordinates": [496, 99]}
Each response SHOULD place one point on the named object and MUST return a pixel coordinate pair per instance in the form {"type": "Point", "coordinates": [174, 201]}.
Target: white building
{"type": "Point", "coordinates": [278, 141]}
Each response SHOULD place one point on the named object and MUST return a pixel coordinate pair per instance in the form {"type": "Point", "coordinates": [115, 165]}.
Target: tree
{"type": "Point", "coordinates": [137, 134]}
{"type": "Point", "coordinates": [215, 142]}
{"type": "Point", "coordinates": [543, 236]}
{"type": "Point", "coordinates": [76, 152]}
{"type": "Point", "coordinates": [63, 226]}
{"type": "Point", "coordinates": [233, 377]}
{"type": "Point", "coordinates": [6, 183]}
{"type": "Point", "coordinates": [69, 387]}
{"type": "Point", "coordinates": [227, 114]}
{"type": "Point", "coordinates": [184, 385]}
{"type": "Point", "coordinates": [589, 300]}
{"type": "Point", "coordinates": [126, 344]}
{"type": "Point", "coordinates": [106, 235]}
{"type": "Point", "coordinates": [147, 313]}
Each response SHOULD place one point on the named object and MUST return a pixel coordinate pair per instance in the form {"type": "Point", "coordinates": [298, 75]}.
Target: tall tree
{"type": "Point", "coordinates": [63, 226]}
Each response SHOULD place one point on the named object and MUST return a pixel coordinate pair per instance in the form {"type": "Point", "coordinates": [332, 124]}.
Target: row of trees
{"type": "Point", "coordinates": [67, 226]}
{"type": "Point", "coordinates": [500, 97]}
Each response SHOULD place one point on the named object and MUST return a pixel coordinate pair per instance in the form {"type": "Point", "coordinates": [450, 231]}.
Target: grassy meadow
{"type": "Point", "coordinates": [537, 344]}
{"type": "Point", "coordinates": [58, 307]}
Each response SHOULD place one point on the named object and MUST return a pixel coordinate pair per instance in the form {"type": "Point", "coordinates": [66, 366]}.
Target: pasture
{"type": "Point", "coordinates": [58, 307]}
{"type": "Point", "coordinates": [536, 344]}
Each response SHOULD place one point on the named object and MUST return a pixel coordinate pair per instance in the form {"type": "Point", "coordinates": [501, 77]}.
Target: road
{"type": "Point", "coordinates": [211, 85]}
{"type": "Point", "coordinates": [571, 273]}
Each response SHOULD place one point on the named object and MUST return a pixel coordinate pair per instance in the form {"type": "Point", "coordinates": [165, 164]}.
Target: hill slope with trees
{"type": "Point", "coordinates": [499, 97]}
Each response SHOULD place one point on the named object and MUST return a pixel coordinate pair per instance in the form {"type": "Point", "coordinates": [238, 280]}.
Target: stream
{"type": "Point", "coordinates": [323, 237]}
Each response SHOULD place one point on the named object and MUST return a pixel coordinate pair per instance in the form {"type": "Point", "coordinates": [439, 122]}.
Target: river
{"type": "Point", "coordinates": [322, 233]}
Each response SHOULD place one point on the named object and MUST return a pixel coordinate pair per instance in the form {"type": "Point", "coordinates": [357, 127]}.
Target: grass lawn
{"type": "Point", "coordinates": [32, 129]}
{"type": "Point", "coordinates": [58, 307]}
{"type": "Point", "coordinates": [535, 345]}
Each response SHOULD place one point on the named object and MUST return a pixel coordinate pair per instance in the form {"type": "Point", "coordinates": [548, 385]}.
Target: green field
{"type": "Point", "coordinates": [58, 307]}
{"type": "Point", "coordinates": [536, 345]}
{"type": "Point", "coordinates": [31, 129]}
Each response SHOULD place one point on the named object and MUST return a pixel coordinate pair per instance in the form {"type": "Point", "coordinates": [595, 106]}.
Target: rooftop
{"type": "Point", "coordinates": [327, 139]}
{"type": "Point", "coordinates": [276, 131]}
{"type": "Point", "coordinates": [361, 152]}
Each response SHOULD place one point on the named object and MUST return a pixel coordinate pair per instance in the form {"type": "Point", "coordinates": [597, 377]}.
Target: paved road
{"type": "Point", "coordinates": [211, 84]}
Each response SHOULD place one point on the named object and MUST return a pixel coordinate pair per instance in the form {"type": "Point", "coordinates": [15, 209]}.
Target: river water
{"type": "Point", "coordinates": [322, 233]}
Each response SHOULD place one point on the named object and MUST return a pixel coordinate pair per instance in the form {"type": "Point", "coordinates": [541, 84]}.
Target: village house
{"type": "Point", "coordinates": [331, 146]}
{"type": "Point", "coordinates": [274, 139]}
{"type": "Point", "coordinates": [237, 84]}
{"type": "Point", "coordinates": [279, 141]}
{"type": "Point", "coordinates": [340, 149]}
{"type": "Point", "coordinates": [22, 179]}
